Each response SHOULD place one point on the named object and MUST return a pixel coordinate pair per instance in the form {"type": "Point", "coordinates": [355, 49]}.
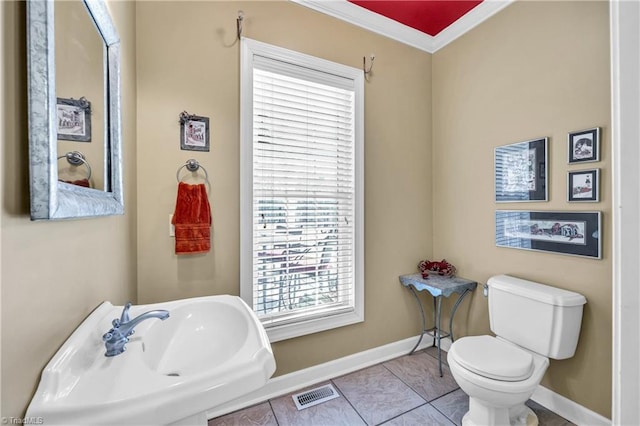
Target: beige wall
{"type": "Point", "coordinates": [536, 69]}
{"type": "Point", "coordinates": [187, 60]}
{"type": "Point", "coordinates": [55, 273]}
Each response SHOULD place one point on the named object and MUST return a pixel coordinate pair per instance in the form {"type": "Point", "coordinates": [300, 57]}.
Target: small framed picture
{"type": "Point", "coordinates": [521, 171]}
{"type": "Point", "coordinates": [194, 132]}
{"type": "Point", "coordinates": [583, 185]}
{"type": "Point", "coordinates": [73, 118]}
{"type": "Point", "coordinates": [584, 146]}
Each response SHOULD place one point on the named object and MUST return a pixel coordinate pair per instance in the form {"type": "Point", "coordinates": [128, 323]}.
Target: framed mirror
{"type": "Point", "coordinates": [75, 149]}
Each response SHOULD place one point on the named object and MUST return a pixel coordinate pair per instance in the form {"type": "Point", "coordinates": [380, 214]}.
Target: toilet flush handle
{"type": "Point", "coordinates": [485, 290]}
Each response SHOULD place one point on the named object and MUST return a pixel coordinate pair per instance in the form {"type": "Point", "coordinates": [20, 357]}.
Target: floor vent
{"type": "Point", "coordinates": [315, 396]}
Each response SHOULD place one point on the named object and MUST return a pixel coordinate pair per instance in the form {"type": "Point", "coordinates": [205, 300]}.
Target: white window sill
{"type": "Point", "coordinates": [280, 332]}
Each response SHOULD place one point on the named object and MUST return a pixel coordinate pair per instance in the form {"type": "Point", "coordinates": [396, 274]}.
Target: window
{"type": "Point", "coordinates": [302, 191]}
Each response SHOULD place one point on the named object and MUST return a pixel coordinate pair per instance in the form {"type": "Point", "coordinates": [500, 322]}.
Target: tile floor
{"type": "Point", "coordinates": [401, 392]}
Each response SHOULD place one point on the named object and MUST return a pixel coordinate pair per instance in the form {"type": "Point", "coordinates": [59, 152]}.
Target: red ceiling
{"type": "Point", "coordinates": [428, 16]}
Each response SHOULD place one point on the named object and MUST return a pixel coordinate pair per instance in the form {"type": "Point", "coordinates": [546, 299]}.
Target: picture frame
{"type": "Point", "coordinates": [194, 132]}
{"type": "Point", "coordinates": [583, 185]}
{"type": "Point", "coordinates": [521, 171]}
{"type": "Point", "coordinates": [73, 118]}
{"type": "Point", "coordinates": [570, 233]}
{"type": "Point", "coordinates": [583, 146]}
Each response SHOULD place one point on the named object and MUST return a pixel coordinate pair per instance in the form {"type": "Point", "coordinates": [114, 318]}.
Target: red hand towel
{"type": "Point", "coordinates": [192, 219]}
{"type": "Point", "coordinates": [81, 182]}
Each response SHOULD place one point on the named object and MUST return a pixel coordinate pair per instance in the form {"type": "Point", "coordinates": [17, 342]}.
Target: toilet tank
{"type": "Point", "coordinates": [541, 318]}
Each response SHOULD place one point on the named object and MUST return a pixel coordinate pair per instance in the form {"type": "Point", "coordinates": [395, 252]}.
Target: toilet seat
{"type": "Point", "coordinates": [493, 358]}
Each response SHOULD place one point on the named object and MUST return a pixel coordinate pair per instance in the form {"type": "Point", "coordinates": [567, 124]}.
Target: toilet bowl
{"type": "Point", "coordinates": [532, 323]}
{"type": "Point", "coordinates": [498, 385]}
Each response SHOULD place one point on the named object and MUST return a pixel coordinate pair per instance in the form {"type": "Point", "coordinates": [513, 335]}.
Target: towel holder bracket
{"type": "Point", "coordinates": [193, 166]}
{"type": "Point", "coordinates": [76, 158]}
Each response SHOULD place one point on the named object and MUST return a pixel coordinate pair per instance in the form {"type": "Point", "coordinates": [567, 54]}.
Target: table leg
{"type": "Point", "coordinates": [424, 322]}
{"type": "Point", "coordinates": [435, 320]}
{"type": "Point", "coordinates": [437, 331]}
{"type": "Point", "coordinates": [453, 312]}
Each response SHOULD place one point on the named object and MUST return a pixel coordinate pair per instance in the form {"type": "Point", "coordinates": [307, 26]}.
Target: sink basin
{"type": "Point", "coordinates": [209, 351]}
{"type": "Point", "coordinates": [201, 335]}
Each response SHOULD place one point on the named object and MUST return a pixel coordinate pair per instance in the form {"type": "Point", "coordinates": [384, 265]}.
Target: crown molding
{"type": "Point", "coordinates": [470, 20]}
{"type": "Point", "coordinates": [361, 17]}
{"type": "Point", "coordinates": [371, 21]}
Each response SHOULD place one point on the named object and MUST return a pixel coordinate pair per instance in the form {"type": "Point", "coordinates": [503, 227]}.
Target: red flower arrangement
{"type": "Point", "coordinates": [441, 268]}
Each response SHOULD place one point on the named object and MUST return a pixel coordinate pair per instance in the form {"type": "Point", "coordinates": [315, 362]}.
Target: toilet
{"type": "Point", "coordinates": [532, 323]}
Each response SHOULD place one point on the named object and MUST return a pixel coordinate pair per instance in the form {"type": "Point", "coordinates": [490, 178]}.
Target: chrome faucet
{"type": "Point", "coordinates": [115, 339]}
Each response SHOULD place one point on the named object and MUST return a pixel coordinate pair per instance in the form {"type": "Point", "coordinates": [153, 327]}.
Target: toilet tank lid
{"type": "Point", "coordinates": [536, 291]}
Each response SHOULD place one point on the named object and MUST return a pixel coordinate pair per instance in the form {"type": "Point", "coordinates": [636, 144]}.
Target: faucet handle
{"type": "Point", "coordinates": [125, 313]}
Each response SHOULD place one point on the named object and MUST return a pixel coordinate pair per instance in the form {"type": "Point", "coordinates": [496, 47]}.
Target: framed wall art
{"type": "Point", "coordinates": [583, 185]}
{"type": "Point", "coordinates": [73, 118]}
{"type": "Point", "coordinates": [194, 132]}
{"type": "Point", "coordinates": [584, 146]}
{"type": "Point", "coordinates": [521, 171]}
{"type": "Point", "coordinates": [574, 233]}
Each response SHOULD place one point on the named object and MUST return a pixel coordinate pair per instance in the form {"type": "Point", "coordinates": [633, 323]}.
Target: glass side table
{"type": "Point", "coordinates": [438, 286]}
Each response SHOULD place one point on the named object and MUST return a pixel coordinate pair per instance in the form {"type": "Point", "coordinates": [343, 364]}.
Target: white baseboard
{"type": "Point", "coordinates": [290, 382]}
{"type": "Point", "coordinates": [568, 409]}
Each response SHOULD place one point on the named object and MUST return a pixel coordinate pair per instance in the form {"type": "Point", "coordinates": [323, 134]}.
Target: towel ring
{"type": "Point", "coordinates": [193, 166]}
{"type": "Point", "coordinates": [76, 158]}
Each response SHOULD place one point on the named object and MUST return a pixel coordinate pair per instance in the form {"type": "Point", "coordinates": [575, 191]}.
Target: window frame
{"type": "Point", "coordinates": [303, 326]}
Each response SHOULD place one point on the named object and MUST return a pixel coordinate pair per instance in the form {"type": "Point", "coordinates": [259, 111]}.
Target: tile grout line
{"type": "Point", "coordinates": [443, 395]}
{"type": "Point", "coordinates": [440, 411]}
{"type": "Point", "coordinates": [414, 390]}
{"type": "Point", "coordinates": [402, 414]}
{"type": "Point", "coordinates": [273, 412]}
{"type": "Point", "coordinates": [393, 374]}
{"type": "Point", "coordinates": [445, 414]}
{"type": "Point", "coordinates": [348, 401]}
{"type": "Point", "coordinates": [406, 384]}
{"type": "Point", "coordinates": [426, 402]}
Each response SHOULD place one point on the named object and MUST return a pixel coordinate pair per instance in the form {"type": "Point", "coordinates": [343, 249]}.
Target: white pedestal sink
{"type": "Point", "coordinates": [209, 351]}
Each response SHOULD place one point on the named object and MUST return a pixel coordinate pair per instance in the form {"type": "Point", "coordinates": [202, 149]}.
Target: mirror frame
{"type": "Point", "coordinates": [51, 199]}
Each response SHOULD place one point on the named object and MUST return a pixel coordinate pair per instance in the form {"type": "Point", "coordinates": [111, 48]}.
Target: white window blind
{"type": "Point", "coordinates": [304, 193]}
